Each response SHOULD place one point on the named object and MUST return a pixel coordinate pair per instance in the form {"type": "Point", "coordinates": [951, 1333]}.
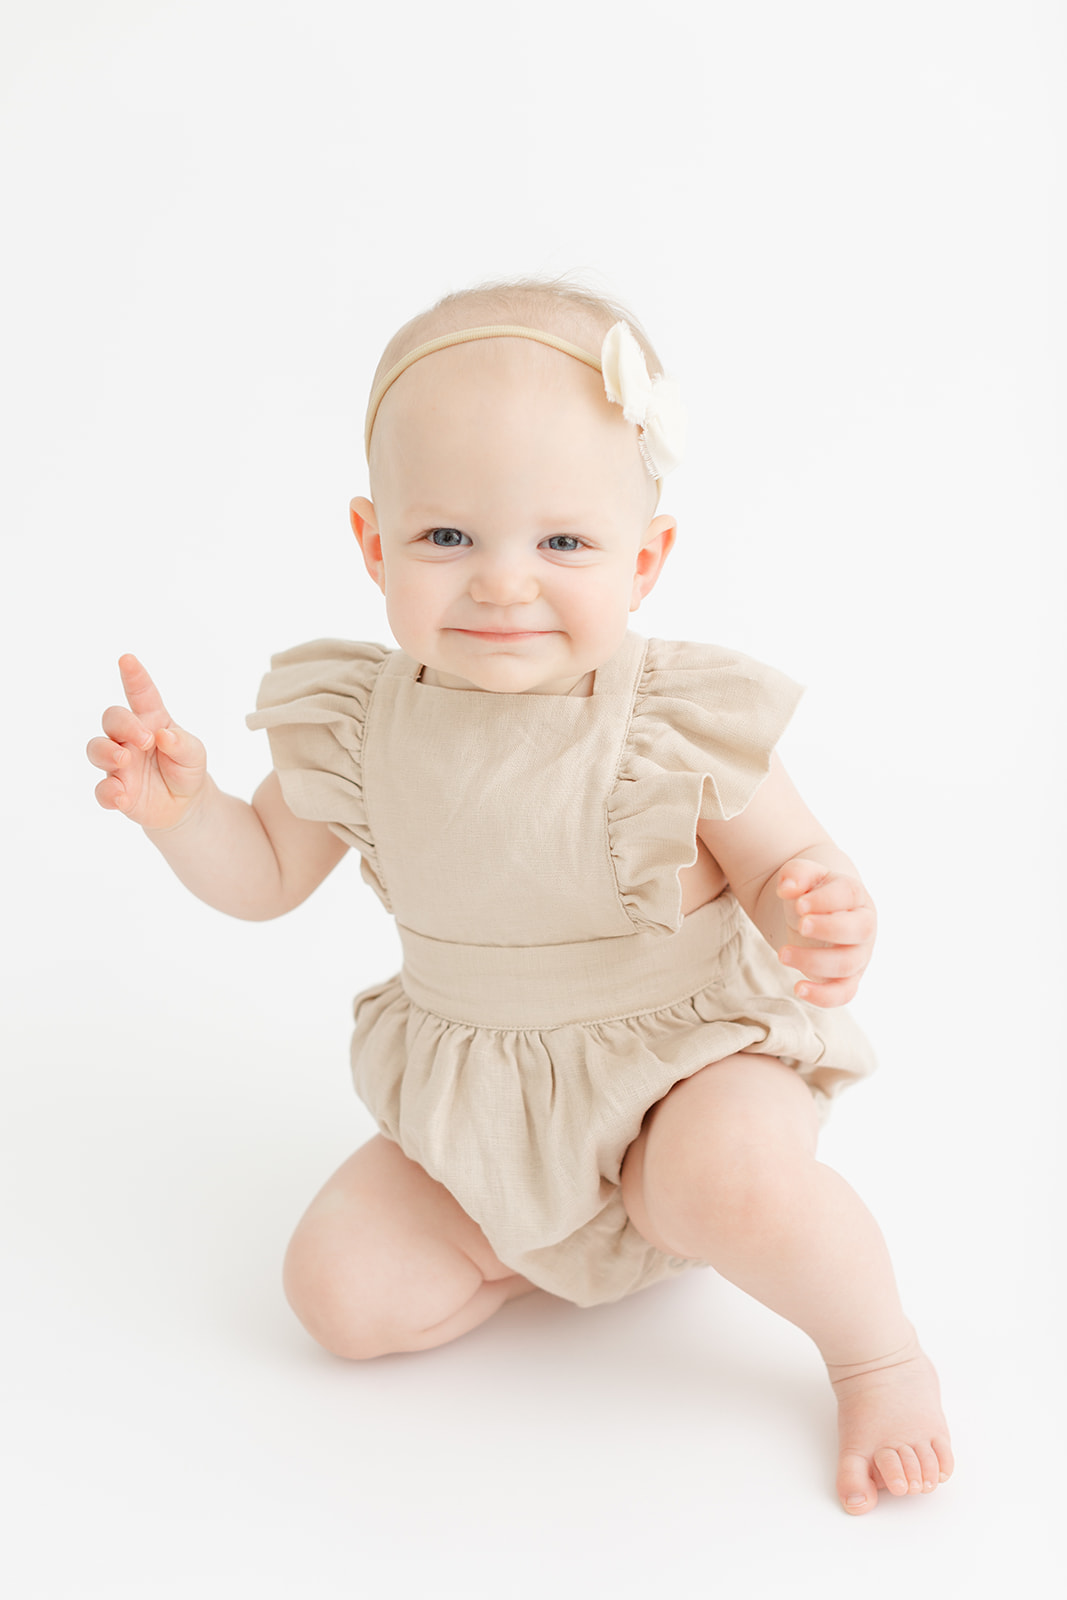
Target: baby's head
{"type": "Point", "coordinates": [513, 523]}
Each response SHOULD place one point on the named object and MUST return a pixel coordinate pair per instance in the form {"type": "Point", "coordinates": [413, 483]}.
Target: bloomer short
{"type": "Point", "coordinates": [519, 1077]}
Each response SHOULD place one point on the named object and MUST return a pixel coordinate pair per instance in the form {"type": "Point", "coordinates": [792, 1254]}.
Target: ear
{"type": "Point", "coordinates": [365, 527]}
{"type": "Point", "coordinates": [655, 548]}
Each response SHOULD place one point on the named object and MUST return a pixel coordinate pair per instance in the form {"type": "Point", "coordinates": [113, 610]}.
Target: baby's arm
{"type": "Point", "coordinates": [252, 861]}
{"type": "Point", "coordinates": [802, 892]}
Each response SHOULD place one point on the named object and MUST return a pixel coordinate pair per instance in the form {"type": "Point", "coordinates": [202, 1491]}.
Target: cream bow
{"type": "Point", "coordinates": [654, 404]}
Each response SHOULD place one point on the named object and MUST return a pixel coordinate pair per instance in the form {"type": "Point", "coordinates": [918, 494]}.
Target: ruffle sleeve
{"type": "Point", "coordinates": [313, 704]}
{"type": "Point", "coordinates": [704, 726]}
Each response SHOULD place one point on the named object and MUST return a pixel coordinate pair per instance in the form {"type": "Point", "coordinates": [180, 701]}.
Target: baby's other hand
{"type": "Point", "coordinates": [834, 921]}
{"type": "Point", "coordinates": [155, 770]}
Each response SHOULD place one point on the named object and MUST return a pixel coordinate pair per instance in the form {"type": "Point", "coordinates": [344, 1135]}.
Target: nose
{"type": "Point", "coordinates": [502, 579]}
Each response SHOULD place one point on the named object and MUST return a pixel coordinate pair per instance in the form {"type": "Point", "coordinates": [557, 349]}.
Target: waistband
{"type": "Point", "coordinates": [550, 985]}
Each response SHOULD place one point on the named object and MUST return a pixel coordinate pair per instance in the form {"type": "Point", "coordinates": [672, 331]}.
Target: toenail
{"type": "Point", "coordinates": [856, 1500]}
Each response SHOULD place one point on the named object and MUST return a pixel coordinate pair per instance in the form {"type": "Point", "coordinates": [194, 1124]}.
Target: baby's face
{"type": "Point", "coordinates": [512, 528]}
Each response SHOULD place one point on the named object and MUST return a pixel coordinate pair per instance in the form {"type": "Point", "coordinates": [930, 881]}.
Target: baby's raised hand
{"type": "Point", "coordinates": [836, 913]}
{"type": "Point", "coordinates": [155, 770]}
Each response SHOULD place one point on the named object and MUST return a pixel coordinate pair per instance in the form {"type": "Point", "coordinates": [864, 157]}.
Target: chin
{"type": "Point", "coordinates": [507, 678]}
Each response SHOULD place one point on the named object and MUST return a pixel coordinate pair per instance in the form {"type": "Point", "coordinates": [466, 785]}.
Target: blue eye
{"type": "Point", "coordinates": [563, 542]}
{"type": "Point", "coordinates": [447, 538]}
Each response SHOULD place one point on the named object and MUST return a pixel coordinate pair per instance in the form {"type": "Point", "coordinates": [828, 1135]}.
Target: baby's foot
{"type": "Point", "coordinates": [892, 1430]}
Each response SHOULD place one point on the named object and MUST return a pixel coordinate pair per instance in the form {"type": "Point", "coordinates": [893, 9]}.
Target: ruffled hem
{"type": "Point", "coordinates": [704, 726]}
{"type": "Point", "coordinates": [313, 704]}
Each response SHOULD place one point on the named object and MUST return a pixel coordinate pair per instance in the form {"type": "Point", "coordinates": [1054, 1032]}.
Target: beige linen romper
{"type": "Point", "coordinates": [529, 847]}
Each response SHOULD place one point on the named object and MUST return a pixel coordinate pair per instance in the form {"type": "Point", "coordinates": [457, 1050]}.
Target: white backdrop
{"type": "Point", "coordinates": [843, 228]}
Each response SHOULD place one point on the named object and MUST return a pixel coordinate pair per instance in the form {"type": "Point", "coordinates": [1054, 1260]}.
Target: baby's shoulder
{"type": "Point", "coordinates": [342, 668]}
{"type": "Point", "coordinates": [710, 713]}
{"type": "Point", "coordinates": [680, 673]}
{"type": "Point", "coordinates": [332, 656]}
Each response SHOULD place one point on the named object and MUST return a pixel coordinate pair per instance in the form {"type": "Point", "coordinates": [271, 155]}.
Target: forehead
{"type": "Point", "coordinates": [505, 391]}
{"type": "Point", "coordinates": [512, 418]}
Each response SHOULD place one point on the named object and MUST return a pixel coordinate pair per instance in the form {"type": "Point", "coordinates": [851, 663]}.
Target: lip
{"type": "Point", "coordinates": [504, 633]}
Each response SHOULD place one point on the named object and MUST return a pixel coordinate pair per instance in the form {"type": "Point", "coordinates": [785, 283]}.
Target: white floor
{"type": "Point", "coordinates": [170, 1430]}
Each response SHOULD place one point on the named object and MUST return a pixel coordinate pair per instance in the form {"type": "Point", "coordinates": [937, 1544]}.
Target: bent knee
{"type": "Point", "coordinates": [361, 1293]}
{"type": "Point", "coordinates": [329, 1295]}
{"type": "Point", "coordinates": [721, 1156]}
{"type": "Point", "coordinates": [336, 1280]}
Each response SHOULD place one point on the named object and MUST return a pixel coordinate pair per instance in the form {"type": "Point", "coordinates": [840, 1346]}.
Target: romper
{"type": "Point", "coordinates": [551, 992]}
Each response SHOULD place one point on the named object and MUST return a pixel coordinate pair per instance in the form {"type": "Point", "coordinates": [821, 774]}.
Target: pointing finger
{"type": "Point", "coordinates": [144, 698]}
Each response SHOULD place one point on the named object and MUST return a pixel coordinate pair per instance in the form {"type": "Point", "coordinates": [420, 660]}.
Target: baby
{"type": "Point", "coordinates": [594, 1069]}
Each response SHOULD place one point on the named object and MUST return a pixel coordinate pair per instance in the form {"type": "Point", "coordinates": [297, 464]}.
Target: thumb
{"type": "Point", "coordinates": [182, 759]}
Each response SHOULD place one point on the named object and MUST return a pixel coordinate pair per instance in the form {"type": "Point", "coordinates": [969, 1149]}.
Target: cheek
{"type": "Point", "coordinates": [601, 602]}
{"type": "Point", "coordinates": [415, 594]}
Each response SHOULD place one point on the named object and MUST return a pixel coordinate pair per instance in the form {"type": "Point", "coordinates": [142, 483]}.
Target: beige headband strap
{"type": "Point", "coordinates": [499, 331]}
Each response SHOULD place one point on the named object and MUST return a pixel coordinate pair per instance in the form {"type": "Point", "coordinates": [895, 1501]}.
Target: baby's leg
{"type": "Point", "coordinates": [724, 1170]}
{"type": "Point", "coordinates": [385, 1259]}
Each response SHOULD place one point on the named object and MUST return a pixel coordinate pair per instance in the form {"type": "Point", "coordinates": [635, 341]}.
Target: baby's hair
{"type": "Point", "coordinates": [563, 306]}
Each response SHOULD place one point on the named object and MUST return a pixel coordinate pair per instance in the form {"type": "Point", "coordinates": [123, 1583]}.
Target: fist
{"type": "Point", "coordinates": [832, 918]}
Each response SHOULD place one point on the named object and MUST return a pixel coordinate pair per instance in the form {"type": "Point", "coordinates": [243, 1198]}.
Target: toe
{"type": "Point", "coordinates": [892, 1469]}
{"type": "Point", "coordinates": [943, 1451]}
{"type": "Point", "coordinates": [855, 1485]}
{"type": "Point", "coordinates": [909, 1460]}
{"type": "Point", "coordinates": [929, 1466]}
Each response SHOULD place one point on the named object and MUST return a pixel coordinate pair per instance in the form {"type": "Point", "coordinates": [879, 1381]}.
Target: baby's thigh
{"type": "Point", "coordinates": [384, 1253]}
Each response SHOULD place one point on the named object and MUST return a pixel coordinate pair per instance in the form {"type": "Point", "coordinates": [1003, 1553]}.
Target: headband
{"type": "Point", "coordinates": [654, 404]}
